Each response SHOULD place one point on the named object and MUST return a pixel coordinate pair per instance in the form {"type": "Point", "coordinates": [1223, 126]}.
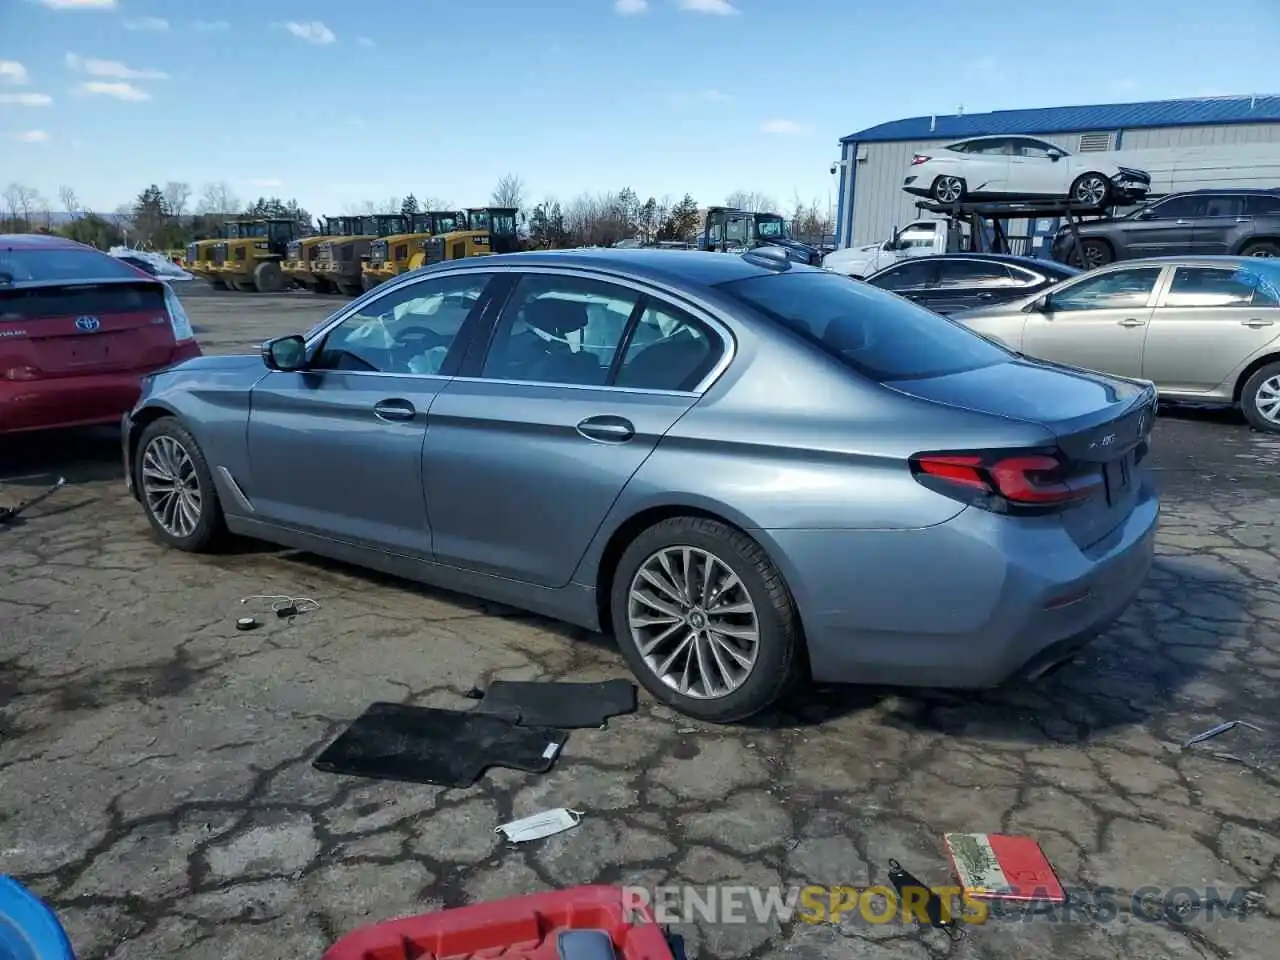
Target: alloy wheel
{"type": "Point", "coordinates": [170, 486]}
{"type": "Point", "coordinates": [1091, 190]}
{"type": "Point", "coordinates": [948, 189]}
{"type": "Point", "coordinates": [1267, 399]}
{"type": "Point", "coordinates": [694, 622]}
{"type": "Point", "coordinates": [1261, 252]}
{"type": "Point", "coordinates": [1093, 258]}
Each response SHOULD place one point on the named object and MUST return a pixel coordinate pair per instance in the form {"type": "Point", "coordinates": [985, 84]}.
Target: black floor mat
{"type": "Point", "coordinates": [567, 706]}
{"type": "Point", "coordinates": [449, 748]}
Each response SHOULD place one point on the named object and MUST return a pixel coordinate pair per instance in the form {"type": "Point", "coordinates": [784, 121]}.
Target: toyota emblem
{"type": "Point", "coordinates": [87, 323]}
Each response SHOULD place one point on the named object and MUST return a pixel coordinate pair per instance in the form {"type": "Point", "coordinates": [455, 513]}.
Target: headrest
{"type": "Point", "coordinates": [554, 316]}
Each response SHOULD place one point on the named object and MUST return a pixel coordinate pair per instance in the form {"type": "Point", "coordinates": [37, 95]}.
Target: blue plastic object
{"type": "Point", "coordinates": [28, 929]}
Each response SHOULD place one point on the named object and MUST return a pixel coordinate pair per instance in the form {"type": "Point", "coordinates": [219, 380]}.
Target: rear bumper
{"type": "Point", "coordinates": [970, 603]}
{"type": "Point", "coordinates": [75, 401]}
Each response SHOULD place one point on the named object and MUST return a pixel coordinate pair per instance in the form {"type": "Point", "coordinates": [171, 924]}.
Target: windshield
{"type": "Point", "coordinates": [54, 264]}
{"type": "Point", "coordinates": [772, 228]}
{"type": "Point", "coordinates": [233, 231]}
{"type": "Point", "coordinates": [737, 229]}
{"type": "Point", "coordinates": [479, 220]}
{"type": "Point", "coordinates": [880, 335]}
{"type": "Point", "coordinates": [503, 223]}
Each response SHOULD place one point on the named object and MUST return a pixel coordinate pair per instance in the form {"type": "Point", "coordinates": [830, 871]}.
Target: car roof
{"type": "Point", "coordinates": [17, 241]}
{"type": "Point", "coordinates": [671, 266]}
{"type": "Point", "coordinates": [1187, 260]}
{"type": "Point", "coordinates": [1032, 262]}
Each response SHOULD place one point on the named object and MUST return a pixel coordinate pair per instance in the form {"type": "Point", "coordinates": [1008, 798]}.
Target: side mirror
{"type": "Point", "coordinates": [286, 354]}
{"type": "Point", "coordinates": [1055, 157]}
{"type": "Point", "coordinates": [1040, 304]}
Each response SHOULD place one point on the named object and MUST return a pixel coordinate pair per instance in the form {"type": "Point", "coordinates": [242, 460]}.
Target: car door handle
{"type": "Point", "coordinates": [1244, 219]}
{"type": "Point", "coordinates": [607, 429]}
{"type": "Point", "coordinates": [985, 296]}
{"type": "Point", "coordinates": [395, 409]}
{"type": "Point", "coordinates": [1181, 223]}
{"type": "Point", "coordinates": [1257, 322]}
{"type": "Point", "coordinates": [1132, 322]}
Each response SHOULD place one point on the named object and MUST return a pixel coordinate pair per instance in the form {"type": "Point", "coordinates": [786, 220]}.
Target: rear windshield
{"type": "Point", "coordinates": [54, 264]}
{"type": "Point", "coordinates": [36, 303]}
{"type": "Point", "coordinates": [878, 334]}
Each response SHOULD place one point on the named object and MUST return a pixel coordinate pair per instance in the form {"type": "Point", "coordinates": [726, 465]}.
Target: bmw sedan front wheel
{"type": "Point", "coordinates": [705, 621]}
{"type": "Point", "coordinates": [176, 487]}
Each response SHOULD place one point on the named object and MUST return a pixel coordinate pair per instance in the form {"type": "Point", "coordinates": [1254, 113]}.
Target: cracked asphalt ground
{"type": "Point", "coordinates": [155, 765]}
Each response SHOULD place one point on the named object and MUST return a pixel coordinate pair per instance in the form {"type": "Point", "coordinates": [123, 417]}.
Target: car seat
{"type": "Point", "coordinates": [550, 359]}
{"type": "Point", "coordinates": [667, 364]}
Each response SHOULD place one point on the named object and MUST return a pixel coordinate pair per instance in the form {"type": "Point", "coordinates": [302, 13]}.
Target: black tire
{"type": "Point", "coordinates": [1096, 185]}
{"type": "Point", "coordinates": [1261, 248]}
{"type": "Point", "coordinates": [779, 657]}
{"type": "Point", "coordinates": [218, 284]}
{"type": "Point", "coordinates": [268, 277]}
{"type": "Point", "coordinates": [210, 529]}
{"type": "Point", "coordinates": [1249, 398]}
{"type": "Point", "coordinates": [942, 189]}
{"type": "Point", "coordinates": [1094, 253]}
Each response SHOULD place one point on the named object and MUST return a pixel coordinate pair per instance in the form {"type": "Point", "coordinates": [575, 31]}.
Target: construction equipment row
{"type": "Point", "coordinates": [351, 255]}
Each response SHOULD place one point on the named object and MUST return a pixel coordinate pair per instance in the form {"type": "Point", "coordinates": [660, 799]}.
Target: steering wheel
{"type": "Point", "coordinates": [431, 338]}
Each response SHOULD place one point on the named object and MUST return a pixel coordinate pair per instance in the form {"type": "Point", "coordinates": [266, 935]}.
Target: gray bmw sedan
{"type": "Point", "coordinates": [752, 472]}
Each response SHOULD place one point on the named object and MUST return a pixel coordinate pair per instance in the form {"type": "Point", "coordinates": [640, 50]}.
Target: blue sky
{"type": "Point", "coordinates": [335, 103]}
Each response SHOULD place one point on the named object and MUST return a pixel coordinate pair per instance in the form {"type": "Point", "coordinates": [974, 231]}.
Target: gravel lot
{"type": "Point", "coordinates": [155, 764]}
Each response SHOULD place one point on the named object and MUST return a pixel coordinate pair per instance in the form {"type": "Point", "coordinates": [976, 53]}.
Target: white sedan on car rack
{"type": "Point", "coordinates": [1022, 168]}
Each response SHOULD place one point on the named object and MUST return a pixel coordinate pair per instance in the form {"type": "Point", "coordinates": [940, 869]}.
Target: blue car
{"type": "Point", "coordinates": [751, 471]}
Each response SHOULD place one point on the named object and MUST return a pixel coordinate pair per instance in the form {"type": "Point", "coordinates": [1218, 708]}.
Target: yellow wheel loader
{"type": "Point", "coordinates": [488, 230]}
{"type": "Point", "coordinates": [299, 255]}
{"type": "Point", "coordinates": [199, 260]}
{"type": "Point", "coordinates": [252, 257]}
{"type": "Point", "coordinates": [339, 261]}
{"type": "Point", "coordinates": [390, 256]}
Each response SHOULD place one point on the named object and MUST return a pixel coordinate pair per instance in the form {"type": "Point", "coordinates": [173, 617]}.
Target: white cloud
{"type": "Point", "coordinates": [118, 90]}
{"type": "Point", "coordinates": [783, 128]}
{"type": "Point", "coordinates": [265, 182]}
{"type": "Point", "coordinates": [211, 26]}
{"type": "Point", "coordinates": [80, 4]}
{"type": "Point", "coordinates": [32, 136]}
{"type": "Point", "coordinates": [11, 71]}
{"type": "Point", "coordinates": [719, 8]}
{"type": "Point", "coordinates": [26, 99]}
{"type": "Point", "coordinates": [628, 8]}
{"type": "Point", "coordinates": [111, 69]}
{"type": "Point", "coordinates": [151, 24]}
{"type": "Point", "coordinates": [313, 32]}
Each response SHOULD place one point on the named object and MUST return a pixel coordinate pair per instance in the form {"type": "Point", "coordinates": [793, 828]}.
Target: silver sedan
{"type": "Point", "coordinates": [1203, 329]}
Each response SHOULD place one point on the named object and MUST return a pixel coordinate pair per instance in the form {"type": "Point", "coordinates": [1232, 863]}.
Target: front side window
{"type": "Point", "coordinates": [909, 276]}
{"type": "Point", "coordinates": [411, 329]}
{"type": "Point", "coordinates": [1224, 287]}
{"type": "Point", "coordinates": [558, 329]}
{"type": "Point", "coordinates": [1175, 208]}
{"type": "Point", "coordinates": [1116, 290]}
{"type": "Point", "coordinates": [881, 336]}
{"type": "Point", "coordinates": [771, 229]}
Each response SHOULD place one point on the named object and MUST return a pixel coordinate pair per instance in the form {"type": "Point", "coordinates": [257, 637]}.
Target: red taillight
{"type": "Point", "coordinates": [919, 158]}
{"type": "Point", "coordinates": [1002, 479]}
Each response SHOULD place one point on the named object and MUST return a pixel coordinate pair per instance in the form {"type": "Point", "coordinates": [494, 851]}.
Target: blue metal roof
{"type": "Point", "coordinates": [1204, 111]}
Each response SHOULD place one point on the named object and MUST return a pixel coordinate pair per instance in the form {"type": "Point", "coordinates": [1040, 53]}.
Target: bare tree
{"type": "Point", "coordinates": [435, 203]}
{"type": "Point", "coordinates": [750, 201]}
{"type": "Point", "coordinates": [390, 205]}
{"type": "Point", "coordinates": [176, 197]}
{"type": "Point", "coordinates": [217, 198]}
{"type": "Point", "coordinates": [509, 192]}
{"type": "Point", "coordinates": [70, 202]}
{"type": "Point", "coordinates": [22, 202]}
{"type": "Point", "coordinates": [364, 208]}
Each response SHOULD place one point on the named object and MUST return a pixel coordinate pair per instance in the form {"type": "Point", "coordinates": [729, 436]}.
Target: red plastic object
{"type": "Point", "coordinates": [519, 928]}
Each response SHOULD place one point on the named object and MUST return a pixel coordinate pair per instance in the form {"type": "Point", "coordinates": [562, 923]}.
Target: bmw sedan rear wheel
{"type": "Point", "coordinates": [176, 487]}
{"type": "Point", "coordinates": [705, 621]}
{"type": "Point", "coordinates": [1260, 399]}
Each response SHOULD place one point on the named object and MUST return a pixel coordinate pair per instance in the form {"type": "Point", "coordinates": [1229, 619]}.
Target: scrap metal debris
{"type": "Point", "coordinates": [910, 890]}
{"type": "Point", "coordinates": [9, 514]}
{"type": "Point", "coordinates": [1219, 729]}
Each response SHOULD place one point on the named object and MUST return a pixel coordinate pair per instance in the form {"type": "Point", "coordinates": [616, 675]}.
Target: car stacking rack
{"type": "Point", "coordinates": [998, 213]}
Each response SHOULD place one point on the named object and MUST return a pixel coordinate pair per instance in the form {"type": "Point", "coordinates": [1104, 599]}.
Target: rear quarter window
{"type": "Point", "coordinates": [54, 264]}
{"type": "Point", "coordinates": [881, 336]}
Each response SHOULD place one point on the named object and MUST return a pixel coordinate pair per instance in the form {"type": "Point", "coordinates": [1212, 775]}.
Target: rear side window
{"type": "Point", "coordinates": [1261, 205]}
{"type": "Point", "coordinates": [1243, 287]}
{"type": "Point", "coordinates": [61, 264]}
{"type": "Point", "coordinates": [881, 336]}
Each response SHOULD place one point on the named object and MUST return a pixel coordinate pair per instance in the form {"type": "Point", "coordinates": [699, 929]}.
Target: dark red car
{"type": "Point", "coordinates": [78, 331]}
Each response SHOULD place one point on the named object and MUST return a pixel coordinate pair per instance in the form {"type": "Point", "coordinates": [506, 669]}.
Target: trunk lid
{"type": "Point", "coordinates": [71, 329]}
{"type": "Point", "coordinates": [1101, 424]}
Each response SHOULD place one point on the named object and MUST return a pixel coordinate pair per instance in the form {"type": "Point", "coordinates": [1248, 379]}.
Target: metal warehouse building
{"type": "Point", "coordinates": [874, 161]}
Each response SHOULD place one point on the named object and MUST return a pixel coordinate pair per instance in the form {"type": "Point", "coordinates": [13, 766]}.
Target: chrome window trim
{"type": "Point", "coordinates": [700, 312]}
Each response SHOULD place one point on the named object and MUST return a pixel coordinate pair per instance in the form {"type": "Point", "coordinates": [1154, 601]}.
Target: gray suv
{"type": "Point", "coordinates": [1231, 222]}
